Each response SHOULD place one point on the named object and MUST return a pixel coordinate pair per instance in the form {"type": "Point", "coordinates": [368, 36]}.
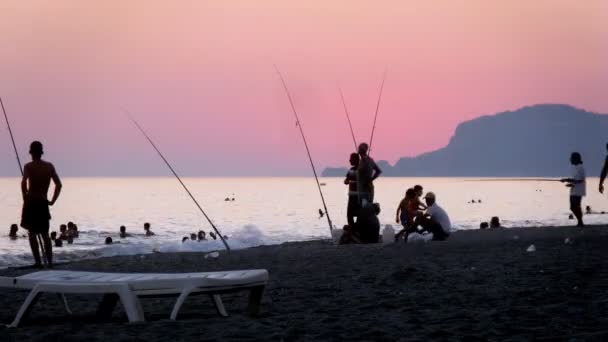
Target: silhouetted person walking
{"type": "Point", "coordinates": [36, 216]}
{"type": "Point", "coordinates": [577, 185]}
{"type": "Point", "coordinates": [604, 173]}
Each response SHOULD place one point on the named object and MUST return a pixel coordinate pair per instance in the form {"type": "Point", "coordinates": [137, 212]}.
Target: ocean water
{"type": "Point", "coordinates": [265, 210]}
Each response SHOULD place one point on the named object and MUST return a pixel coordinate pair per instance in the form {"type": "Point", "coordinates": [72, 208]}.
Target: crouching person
{"type": "Point", "coordinates": [435, 221]}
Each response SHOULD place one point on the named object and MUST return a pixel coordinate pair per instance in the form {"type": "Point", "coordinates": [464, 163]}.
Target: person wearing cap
{"type": "Point", "coordinates": [435, 220]}
{"type": "Point", "coordinates": [36, 216]}
{"type": "Point", "coordinates": [367, 172]}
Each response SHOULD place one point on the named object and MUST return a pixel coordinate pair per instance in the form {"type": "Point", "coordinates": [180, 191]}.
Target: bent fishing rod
{"type": "Point", "coordinates": [371, 139]}
{"type": "Point", "coordinates": [179, 179]}
{"type": "Point", "coordinates": [352, 132]}
{"type": "Point", "coordinates": [10, 131]}
{"type": "Point", "coordinates": [312, 164]}
{"type": "Point", "coordinates": [513, 180]}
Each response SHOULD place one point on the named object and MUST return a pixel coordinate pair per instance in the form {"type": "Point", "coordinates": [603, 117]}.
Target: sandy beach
{"type": "Point", "coordinates": [477, 286]}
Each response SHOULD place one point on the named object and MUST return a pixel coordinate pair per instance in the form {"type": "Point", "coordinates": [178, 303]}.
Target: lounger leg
{"type": "Point", "coordinates": [180, 301]}
{"type": "Point", "coordinates": [31, 299]}
{"type": "Point", "coordinates": [219, 305]}
{"type": "Point", "coordinates": [131, 305]}
{"type": "Point", "coordinates": [255, 297]}
{"type": "Point", "coordinates": [107, 305]}
{"type": "Point", "coordinates": [64, 301]}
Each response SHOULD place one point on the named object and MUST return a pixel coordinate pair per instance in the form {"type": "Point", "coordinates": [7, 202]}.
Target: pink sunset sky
{"type": "Point", "coordinates": [199, 76]}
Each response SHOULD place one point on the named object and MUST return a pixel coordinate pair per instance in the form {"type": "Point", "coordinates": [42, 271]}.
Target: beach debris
{"type": "Point", "coordinates": [567, 241]}
{"type": "Point", "coordinates": [388, 235]}
{"type": "Point", "coordinates": [531, 249]}
{"type": "Point", "coordinates": [336, 235]}
{"type": "Point", "coordinates": [212, 255]}
{"type": "Point", "coordinates": [419, 237]}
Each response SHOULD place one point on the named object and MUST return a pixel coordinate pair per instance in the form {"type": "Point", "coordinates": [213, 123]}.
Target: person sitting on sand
{"type": "Point", "coordinates": [349, 235]}
{"type": "Point", "coordinates": [193, 237]}
{"type": "Point", "coordinates": [577, 184]}
{"type": "Point", "coordinates": [484, 225]}
{"type": "Point", "coordinates": [123, 232]}
{"type": "Point", "coordinates": [495, 222]}
{"type": "Point", "coordinates": [435, 221]}
{"type": "Point", "coordinates": [201, 235]}
{"type": "Point", "coordinates": [184, 239]}
{"type": "Point", "coordinates": [212, 234]}
{"type": "Point", "coordinates": [368, 225]}
{"type": "Point", "coordinates": [147, 229]}
{"type": "Point", "coordinates": [353, 197]}
{"type": "Point", "coordinates": [13, 231]}
{"type": "Point", "coordinates": [588, 210]}
{"type": "Point", "coordinates": [109, 241]}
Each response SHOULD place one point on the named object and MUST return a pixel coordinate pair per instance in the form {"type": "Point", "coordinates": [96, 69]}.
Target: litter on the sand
{"type": "Point", "coordinates": [388, 234]}
{"type": "Point", "coordinates": [336, 235]}
{"type": "Point", "coordinates": [212, 255]}
{"type": "Point", "coordinates": [531, 249]}
{"type": "Point", "coordinates": [419, 237]}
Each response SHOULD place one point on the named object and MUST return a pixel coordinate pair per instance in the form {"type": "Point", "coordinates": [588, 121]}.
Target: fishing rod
{"type": "Point", "coordinates": [371, 139]}
{"type": "Point", "coordinates": [180, 180]}
{"type": "Point", "coordinates": [312, 164]}
{"type": "Point", "coordinates": [10, 131]}
{"type": "Point", "coordinates": [513, 180]}
{"type": "Point", "coordinates": [352, 132]}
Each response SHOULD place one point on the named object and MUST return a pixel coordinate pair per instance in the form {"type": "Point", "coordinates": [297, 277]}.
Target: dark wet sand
{"type": "Point", "coordinates": [479, 285]}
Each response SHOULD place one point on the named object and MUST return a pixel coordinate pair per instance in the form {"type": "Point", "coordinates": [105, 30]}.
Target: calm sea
{"type": "Point", "coordinates": [264, 210]}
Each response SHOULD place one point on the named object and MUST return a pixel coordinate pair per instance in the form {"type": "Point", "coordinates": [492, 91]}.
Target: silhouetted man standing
{"type": "Point", "coordinates": [36, 216]}
{"type": "Point", "coordinates": [367, 172]}
{"type": "Point", "coordinates": [604, 173]}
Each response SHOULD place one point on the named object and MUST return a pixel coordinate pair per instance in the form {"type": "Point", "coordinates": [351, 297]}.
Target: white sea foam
{"type": "Point", "coordinates": [267, 211]}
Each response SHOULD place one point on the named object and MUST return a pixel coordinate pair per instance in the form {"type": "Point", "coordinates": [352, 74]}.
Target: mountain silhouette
{"type": "Point", "coordinates": [534, 141]}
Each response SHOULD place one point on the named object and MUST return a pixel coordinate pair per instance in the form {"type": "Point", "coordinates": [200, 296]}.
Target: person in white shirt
{"type": "Point", "coordinates": [577, 185]}
{"type": "Point", "coordinates": [436, 220]}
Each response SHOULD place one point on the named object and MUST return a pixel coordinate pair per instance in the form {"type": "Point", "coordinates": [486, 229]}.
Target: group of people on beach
{"type": "Point", "coordinates": [362, 213]}
{"type": "Point", "coordinates": [416, 217]}
{"type": "Point", "coordinates": [363, 224]}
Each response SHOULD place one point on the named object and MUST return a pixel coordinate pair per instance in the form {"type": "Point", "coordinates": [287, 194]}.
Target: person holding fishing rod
{"type": "Point", "coordinates": [36, 216]}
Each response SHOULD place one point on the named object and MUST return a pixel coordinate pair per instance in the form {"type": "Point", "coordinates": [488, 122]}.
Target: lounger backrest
{"type": "Point", "coordinates": [7, 282]}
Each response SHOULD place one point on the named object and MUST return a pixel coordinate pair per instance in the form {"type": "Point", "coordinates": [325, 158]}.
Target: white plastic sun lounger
{"type": "Point", "coordinates": [128, 287]}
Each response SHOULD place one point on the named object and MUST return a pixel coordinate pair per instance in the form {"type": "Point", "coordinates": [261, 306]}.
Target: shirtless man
{"type": "Point", "coordinates": [367, 172]}
{"type": "Point", "coordinates": [35, 217]}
